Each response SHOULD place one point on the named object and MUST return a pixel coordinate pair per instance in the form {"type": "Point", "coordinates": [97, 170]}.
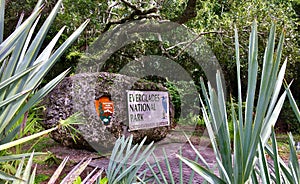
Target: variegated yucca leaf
{"type": "Point", "coordinates": [126, 160]}
{"type": "Point", "coordinates": [23, 66]}
{"type": "Point", "coordinates": [244, 161]}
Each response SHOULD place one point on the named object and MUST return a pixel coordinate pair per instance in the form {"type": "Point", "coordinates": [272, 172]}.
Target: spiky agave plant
{"type": "Point", "coordinates": [23, 65]}
{"type": "Point", "coordinates": [124, 165]}
{"type": "Point", "coordinates": [252, 124]}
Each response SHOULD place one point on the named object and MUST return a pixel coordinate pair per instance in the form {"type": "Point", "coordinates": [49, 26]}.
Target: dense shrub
{"type": "Point", "coordinates": [288, 121]}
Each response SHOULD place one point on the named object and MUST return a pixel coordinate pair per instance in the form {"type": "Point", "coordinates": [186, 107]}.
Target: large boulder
{"type": "Point", "coordinates": [77, 94]}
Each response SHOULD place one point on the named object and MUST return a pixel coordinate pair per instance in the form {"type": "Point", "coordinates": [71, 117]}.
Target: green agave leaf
{"type": "Point", "coordinates": [44, 56]}
{"type": "Point", "coordinates": [266, 132]}
{"type": "Point", "coordinates": [238, 68]}
{"type": "Point", "coordinates": [19, 156]}
{"type": "Point", "coordinates": [238, 145]}
{"type": "Point", "coordinates": [293, 172]}
{"type": "Point", "coordinates": [33, 100]}
{"type": "Point", "coordinates": [135, 164]}
{"type": "Point", "coordinates": [19, 172]}
{"type": "Point", "coordinates": [180, 168]}
{"type": "Point", "coordinates": [139, 147]}
{"type": "Point", "coordinates": [263, 164]}
{"type": "Point", "coordinates": [24, 48]}
{"type": "Point", "coordinates": [13, 98]}
{"type": "Point", "coordinates": [157, 164]}
{"type": "Point", "coordinates": [26, 172]}
{"type": "Point", "coordinates": [276, 161]}
{"type": "Point", "coordinates": [16, 56]}
{"type": "Point", "coordinates": [193, 173]}
{"type": "Point", "coordinates": [25, 139]}
{"type": "Point", "coordinates": [206, 174]}
{"type": "Point", "coordinates": [16, 77]}
{"type": "Point", "coordinates": [274, 83]}
{"type": "Point", "coordinates": [293, 103]}
{"type": "Point", "coordinates": [121, 162]}
{"type": "Point", "coordinates": [210, 131]}
{"type": "Point", "coordinates": [294, 163]}
{"type": "Point", "coordinates": [210, 124]}
{"type": "Point", "coordinates": [285, 170]}
{"type": "Point", "coordinates": [93, 176]}
{"type": "Point", "coordinates": [6, 46]}
{"type": "Point", "coordinates": [2, 10]}
{"type": "Point", "coordinates": [32, 176]}
{"type": "Point", "coordinates": [8, 177]}
{"type": "Point", "coordinates": [263, 96]}
{"type": "Point", "coordinates": [22, 17]}
{"type": "Point", "coordinates": [248, 129]}
{"type": "Point", "coordinates": [223, 171]}
{"type": "Point", "coordinates": [168, 167]}
{"type": "Point", "coordinates": [57, 172]}
{"type": "Point", "coordinates": [76, 171]}
{"type": "Point", "coordinates": [251, 88]}
{"type": "Point", "coordinates": [7, 116]}
{"type": "Point", "coordinates": [154, 174]}
{"type": "Point", "coordinates": [254, 177]}
{"type": "Point", "coordinates": [56, 55]}
{"type": "Point", "coordinates": [196, 151]}
{"type": "Point", "coordinates": [209, 105]}
{"type": "Point", "coordinates": [276, 88]}
{"type": "Point", "coordinates": [129, 169]}
{"type": "Point", "coordinates": [38, 4]}
{"type": "Point", "coordinates": [38, 40]}
{"type": "Point", "coordinates": [161, 173]}
{"type": "Point", "coordinates": [116, 157]}
{"type": "Point", "coordinates": [224, 130]}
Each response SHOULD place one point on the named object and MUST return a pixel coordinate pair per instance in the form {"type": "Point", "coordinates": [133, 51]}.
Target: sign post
{"type": "Point", "coordinates": [147, 109]}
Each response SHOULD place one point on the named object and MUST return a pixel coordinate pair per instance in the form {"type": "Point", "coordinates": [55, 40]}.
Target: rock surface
{"type": "Point", "coordinates": [77, 94]}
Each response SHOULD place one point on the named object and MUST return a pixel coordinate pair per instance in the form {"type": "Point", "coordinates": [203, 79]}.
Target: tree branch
{"type": "Point", "coordinates": [137, 14]}
{"type": "Point", "coordinates": [132, 6]}
{"type": "Point", "coordinates": [197, 37]}
{"type": "Point", "coordinates": [109, 11]}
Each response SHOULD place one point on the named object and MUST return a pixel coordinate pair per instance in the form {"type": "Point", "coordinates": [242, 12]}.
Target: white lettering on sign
{"type": "Point", "coordinates": [147, 109]}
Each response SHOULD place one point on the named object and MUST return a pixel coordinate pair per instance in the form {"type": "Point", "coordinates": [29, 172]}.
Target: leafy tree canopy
{"type": "Point", "coordinates": [214, 19]}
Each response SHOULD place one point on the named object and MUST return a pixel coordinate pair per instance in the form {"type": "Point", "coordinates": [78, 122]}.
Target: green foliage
{"type": "Point", "coordinates": [103, 181]}
{"type": "Point", "coordinates": [181, 98]}
{"type": "Point", "coordinates": [215, 18]}
{"type": "Point", "coordinates": [23, 66]}
{"type": "Point", "coordinates": [68, 125]}
{"type": "Point", "coordinates": [41, 178]}
{"type": "Point", "coordinates": [252, 125]}
{"type": "Point", "coordinates": [220, 16]}
{"type": "Point", "coordinates": [77, 181]}
{"type": "Point", "coordinates": [288, 120]}
{"type": "Point", "coordinates": [126, 160]}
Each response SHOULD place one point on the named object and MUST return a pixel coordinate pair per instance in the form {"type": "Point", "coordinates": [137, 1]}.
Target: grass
{"type": "Point", "coordinates": [283, 144]}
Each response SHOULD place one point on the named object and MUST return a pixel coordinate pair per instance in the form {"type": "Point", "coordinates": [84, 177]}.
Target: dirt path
{"type": "Point", "coordinates": [169, 144]}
